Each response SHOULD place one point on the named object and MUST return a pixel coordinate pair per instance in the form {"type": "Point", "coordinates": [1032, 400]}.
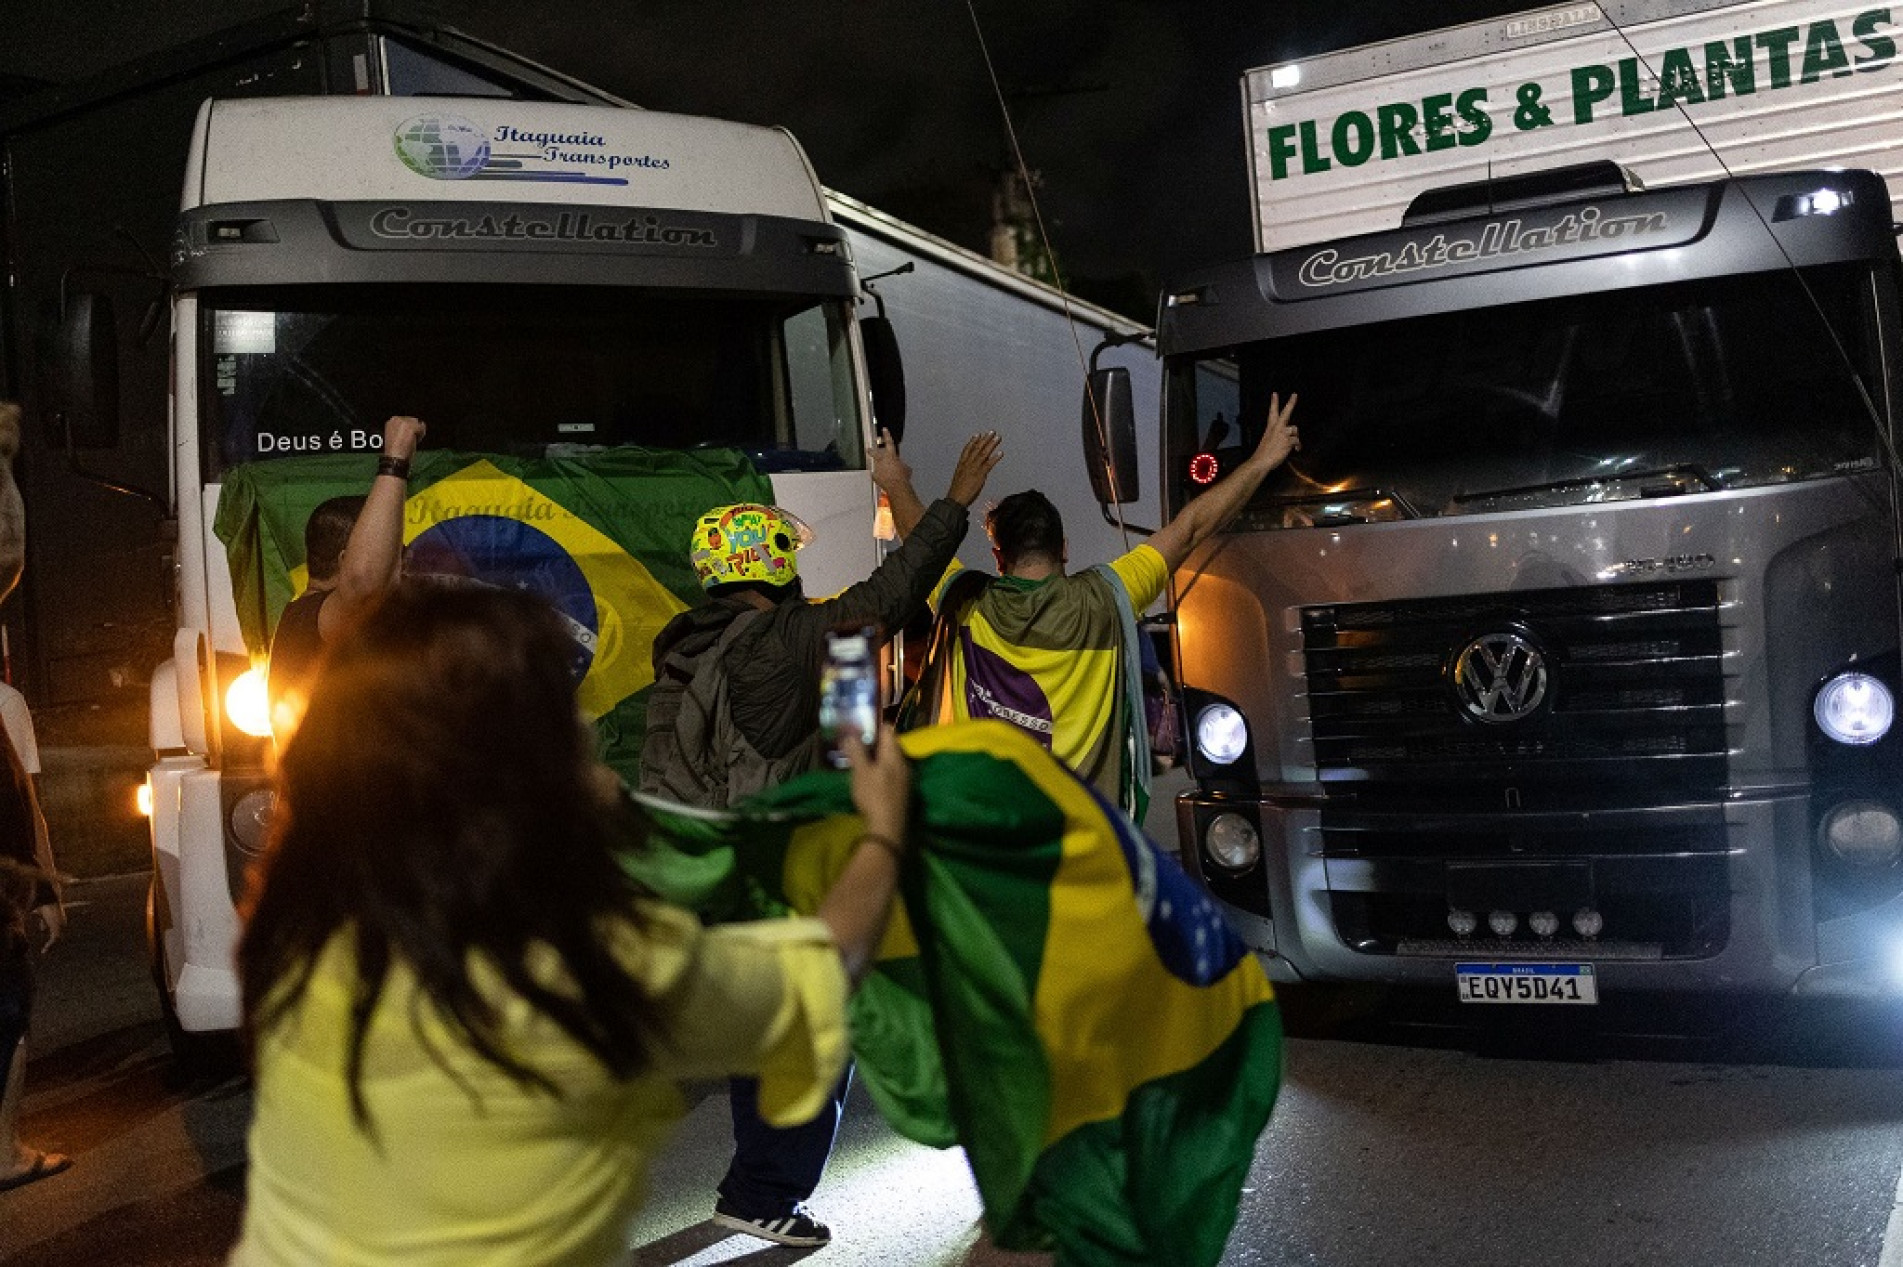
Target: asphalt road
{"type": "Point", "coordinates": [1408, 1133]}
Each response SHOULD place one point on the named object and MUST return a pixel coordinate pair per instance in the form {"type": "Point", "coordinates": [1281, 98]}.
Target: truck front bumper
{"type": "Point", "coordinates": [198, 931]}
{"type": "Point", "coordinates": [1748, 920]}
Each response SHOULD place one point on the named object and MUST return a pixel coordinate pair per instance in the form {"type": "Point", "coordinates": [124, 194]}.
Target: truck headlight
{"type": "Point", "coordinates": [1863, 833]}
{"type": "Point", "coordinates": [251, 819]}
{"type": "Point", "coordinates": [1854, 708]}
{"type": "Point", "coordinates": [1233, 842]}
{"type": "Point", "coordinates": [246, 705]}
{"type": "Point", "coordinates": [1222, 734]}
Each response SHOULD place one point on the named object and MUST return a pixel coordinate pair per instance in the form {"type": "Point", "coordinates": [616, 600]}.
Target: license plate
{"type": "Point", "coordinates": [1526, 983]}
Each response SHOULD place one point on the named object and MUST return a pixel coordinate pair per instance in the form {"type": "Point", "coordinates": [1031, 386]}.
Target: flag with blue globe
{"type": "Point", "coordinates": [602, 535]}
{"type": "Point", "coordinates": [442, 146]}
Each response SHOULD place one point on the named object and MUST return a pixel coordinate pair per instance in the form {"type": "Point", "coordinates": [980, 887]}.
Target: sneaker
{"type": "Point", "coordinates": [796, 1228]}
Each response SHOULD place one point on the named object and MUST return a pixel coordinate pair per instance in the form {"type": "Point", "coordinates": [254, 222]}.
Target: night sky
{"type": "Point", "coordinates": [1129, 110]}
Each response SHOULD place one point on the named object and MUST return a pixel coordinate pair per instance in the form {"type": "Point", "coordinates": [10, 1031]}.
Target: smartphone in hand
{"type": "Point", "coordinates": [849, 691]}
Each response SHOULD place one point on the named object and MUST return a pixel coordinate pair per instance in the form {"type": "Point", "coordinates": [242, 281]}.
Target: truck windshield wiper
{"type": "Point", "coordinates": [1667, 481]}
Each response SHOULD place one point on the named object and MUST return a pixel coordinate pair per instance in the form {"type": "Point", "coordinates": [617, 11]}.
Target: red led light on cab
{"type": "Point", "coordinates": [1203, 468]}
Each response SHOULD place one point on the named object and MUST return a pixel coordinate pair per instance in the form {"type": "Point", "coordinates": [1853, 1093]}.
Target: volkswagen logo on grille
{"type": "Point", "coordinates": [1500, 677]}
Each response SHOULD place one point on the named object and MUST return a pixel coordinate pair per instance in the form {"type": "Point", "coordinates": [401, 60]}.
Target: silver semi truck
{"type": "Point", "coordinates": [1562, 660]}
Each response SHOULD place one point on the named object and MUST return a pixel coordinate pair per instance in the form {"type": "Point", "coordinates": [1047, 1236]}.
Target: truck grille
{"type": "Point", "coordinates": [1633, 692]}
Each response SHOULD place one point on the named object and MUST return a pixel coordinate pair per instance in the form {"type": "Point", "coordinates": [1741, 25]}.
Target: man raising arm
{"type": "Point", "coordinates": [1050, 652]}
{"type": "Point", "coordinates": [1222, 501]}
{"type": "Point", "coordinates": [368, 566]}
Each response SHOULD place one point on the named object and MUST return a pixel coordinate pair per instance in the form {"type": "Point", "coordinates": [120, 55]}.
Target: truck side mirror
{"type": "Point", "coordinates": [1113, 473]}
{"type": "Point", "coordinates": [83, 374]}
{"type": "Point", "coordinates": [885, 374]}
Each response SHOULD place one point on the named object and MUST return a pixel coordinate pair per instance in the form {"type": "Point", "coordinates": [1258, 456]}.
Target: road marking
{"type": "Point", "coordinates": [1891, 1255]}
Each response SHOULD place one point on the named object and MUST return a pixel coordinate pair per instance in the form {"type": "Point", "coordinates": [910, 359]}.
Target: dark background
{"type": "Point", "coordinates": [1129, 111]}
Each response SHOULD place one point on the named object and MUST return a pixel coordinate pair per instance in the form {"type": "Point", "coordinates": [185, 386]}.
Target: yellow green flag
{"type": "Point", "coordinates": [602, 536]}
{"type": "Point", "coordinates": [1059, 997]}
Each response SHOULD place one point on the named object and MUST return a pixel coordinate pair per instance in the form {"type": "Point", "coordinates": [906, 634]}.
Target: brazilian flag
{"type": "Point", "coordinates": [1057, 995]}
{"type": "Point", "coordinates": [602, 536]}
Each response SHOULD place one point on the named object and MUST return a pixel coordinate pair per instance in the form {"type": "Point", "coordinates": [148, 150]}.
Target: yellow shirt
{"type": "Point", "coordinates": [1044, 656]}
{"type": "Point", "coordinates": [467, 1166]}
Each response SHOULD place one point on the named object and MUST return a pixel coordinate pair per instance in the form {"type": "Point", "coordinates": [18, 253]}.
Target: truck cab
{"type": "Point", "coordinates": [1569, 639]}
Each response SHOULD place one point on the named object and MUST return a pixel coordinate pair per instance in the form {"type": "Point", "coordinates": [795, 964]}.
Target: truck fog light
{"type": "Point", "coordinates": [1543, 923]}
{"type": "Point", "coordinates": [1503, 923]}
{"type": "Point", "coordinates": [1221, 734]}
{"type": "Point", "coordinates": [1233, 842]}
{"type": "Point", "coordinates": [1854, 708]}
{"type": "Point", "coordinates": [1863, 834]}
{"type": "Point", "coordinates": [1588, 922]}
{"type": "Point", "coordinates": [1462, 922]}
{"type": "Point", "coordinates": [251, 818]}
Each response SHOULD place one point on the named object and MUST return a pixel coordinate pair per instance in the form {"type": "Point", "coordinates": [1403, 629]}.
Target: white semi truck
{"type": "Point", "coordinates": [533, 280]}
{"type": "Point", "coordinates": [1562, 660]}
{"type": "Point", "coordinates": [526, 262]}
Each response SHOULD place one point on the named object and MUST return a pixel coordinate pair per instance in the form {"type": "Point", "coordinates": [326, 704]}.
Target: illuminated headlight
{"type": "Point", "coordinates": [1221, 734]}
{"type": "Point", "coordinates": [1855, 708]}
{"type": "Point", "coordinates": [251, 818]}
{"type": "Point", "coordinates": [246, 705]}
{"type": "Point", "coordinates": [1863, 834]}
{"type": "Point", "coordinates": [1232, 841]}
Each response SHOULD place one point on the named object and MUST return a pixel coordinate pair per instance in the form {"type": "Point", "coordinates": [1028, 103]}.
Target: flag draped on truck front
{"type": "Point", "coordinates": [1056, 994]}
{"type": "Point", "coordinates": [602, 536]}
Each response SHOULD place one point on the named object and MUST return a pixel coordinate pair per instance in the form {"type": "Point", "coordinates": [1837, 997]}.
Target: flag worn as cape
{"type": "Point", "coordinates": [1056, 995]}
{"type": "Point", "coordinates": [601, 535]}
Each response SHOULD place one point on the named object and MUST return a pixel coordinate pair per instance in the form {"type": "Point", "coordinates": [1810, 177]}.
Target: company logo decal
{"type": "Point", "coordinates": [406, 224]}
{"type": "Point", "coordinates": [1500, 677]}
{"type": "Point", "coordinates": [450, 147]}
{"type": "Point", "coordinates": [1496, 239]}
{"type": "Point", "coordinates": [1714, 77]}
{"type": "Point", "coordinates": [442, 147]}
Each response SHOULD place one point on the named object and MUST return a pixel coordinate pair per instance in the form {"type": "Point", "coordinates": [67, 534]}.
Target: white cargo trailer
{"type": "Point", "coordinates": [988, 347]}
{"type": "Point", "coordinates": [1674, 91]}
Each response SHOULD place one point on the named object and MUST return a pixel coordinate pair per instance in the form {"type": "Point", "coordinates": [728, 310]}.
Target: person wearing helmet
{"type": "Point", "coordinates": [735, 704]}
{"type": "Point", "coordinates": [735, 709]}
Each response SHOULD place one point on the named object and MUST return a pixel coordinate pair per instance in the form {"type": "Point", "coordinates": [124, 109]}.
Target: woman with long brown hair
{"type": "Point", "coordinates": [467, 1021]}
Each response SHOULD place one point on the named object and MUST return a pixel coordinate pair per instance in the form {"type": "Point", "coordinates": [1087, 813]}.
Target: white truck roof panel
{"type": "Point", "coordinates": [1673, 90]}
{"type": "Point", "coordinates": [482, 149]}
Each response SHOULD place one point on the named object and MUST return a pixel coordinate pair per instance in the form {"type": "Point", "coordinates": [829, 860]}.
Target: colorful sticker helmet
{"type": "Point", "coordinates": [748, 542]}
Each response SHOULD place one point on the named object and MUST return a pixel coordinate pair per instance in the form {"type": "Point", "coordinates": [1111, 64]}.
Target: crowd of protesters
{"type": "Point", "coordinates": [468, 1024]}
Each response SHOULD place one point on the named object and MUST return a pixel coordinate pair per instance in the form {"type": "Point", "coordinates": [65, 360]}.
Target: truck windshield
{"type": "Point", "coordinates": [522, 370]}
{"type": "Point", "coordinates": [1657, 391]}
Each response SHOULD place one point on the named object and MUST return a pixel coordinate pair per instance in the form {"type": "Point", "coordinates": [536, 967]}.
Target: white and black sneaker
{"type": "Point", "coordinates": [796, 1228]}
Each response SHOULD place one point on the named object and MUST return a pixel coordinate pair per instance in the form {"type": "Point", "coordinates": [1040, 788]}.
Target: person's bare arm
{"type": "Point", "coordinates": [369, 564]}
{"type": "Point", "coordinates": [974, 467]}
{"type": "Point", "coordinates": [858, 905]}
{"type": "Point", "coordinates": [1223, 501]}
{"type": "Point", "coordinates": [894, 478]}
{"type": "Point", "coordinates": [891, 474]}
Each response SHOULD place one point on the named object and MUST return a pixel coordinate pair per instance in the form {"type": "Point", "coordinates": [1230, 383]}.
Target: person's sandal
{"type": "Point", "coordinates": [43, 1165]}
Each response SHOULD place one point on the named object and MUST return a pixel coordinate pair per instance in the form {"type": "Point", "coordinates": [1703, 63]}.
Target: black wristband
{"type": "Point", "coordinates": [399, 467]}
